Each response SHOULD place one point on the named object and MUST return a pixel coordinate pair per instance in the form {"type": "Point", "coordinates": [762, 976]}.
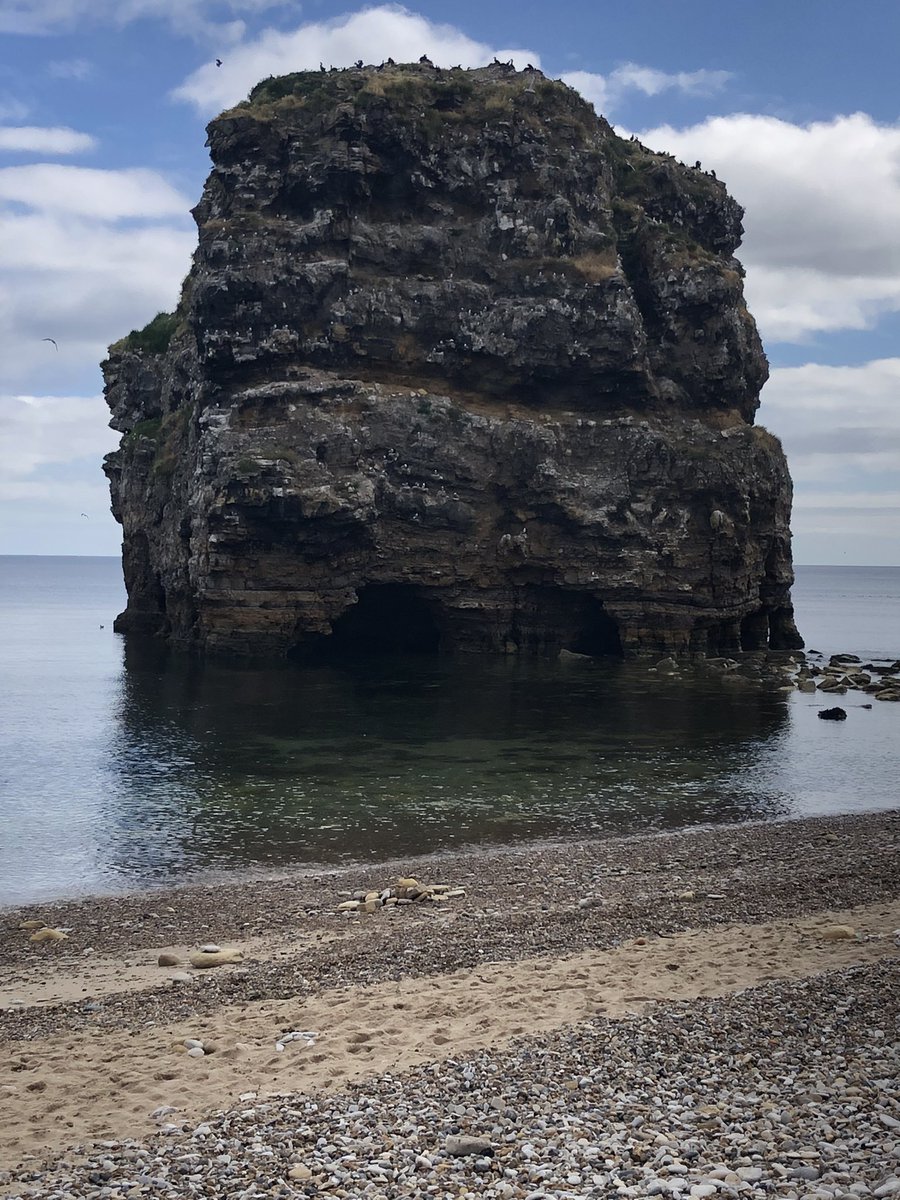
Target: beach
{"type": "Point", "coordinates": [641, 985]}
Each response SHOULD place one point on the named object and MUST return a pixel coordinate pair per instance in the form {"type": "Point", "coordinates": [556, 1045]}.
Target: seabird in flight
{"type": "Point", "coordinates": [49, 340]}
{"type": "Point", "coordinates": [218, 62]}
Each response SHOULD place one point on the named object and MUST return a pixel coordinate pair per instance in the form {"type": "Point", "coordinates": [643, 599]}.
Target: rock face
{"type": "Point", "coordinates": [455, 366]}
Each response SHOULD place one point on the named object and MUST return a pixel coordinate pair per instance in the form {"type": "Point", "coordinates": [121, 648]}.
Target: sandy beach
{"type": "Point", "coordinates": [752, 933]}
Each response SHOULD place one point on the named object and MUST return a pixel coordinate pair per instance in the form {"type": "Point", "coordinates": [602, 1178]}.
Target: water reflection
{"type": "Point", "coordinates": [221, 765]}
{"type": "Point", "coordinates": [126, 768]}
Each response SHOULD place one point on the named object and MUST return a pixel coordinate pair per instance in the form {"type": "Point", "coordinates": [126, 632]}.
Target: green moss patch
{"type": "Point", "coordinates": [154, 338]}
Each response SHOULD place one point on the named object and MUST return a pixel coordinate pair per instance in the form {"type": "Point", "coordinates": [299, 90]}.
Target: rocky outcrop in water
{"type": "Point", "coordinates": [455, 366]}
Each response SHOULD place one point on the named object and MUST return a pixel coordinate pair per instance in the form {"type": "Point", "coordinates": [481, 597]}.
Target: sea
{"type": "Point", "coordinates": [125, 766]}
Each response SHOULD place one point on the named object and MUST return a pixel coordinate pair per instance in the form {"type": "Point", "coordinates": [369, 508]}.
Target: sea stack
{"type": "Point", "coordinates": [455, 367]}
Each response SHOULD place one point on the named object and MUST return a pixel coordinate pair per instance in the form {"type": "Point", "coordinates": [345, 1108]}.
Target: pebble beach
{"type": "Point", "coordinates": [690, 1014]}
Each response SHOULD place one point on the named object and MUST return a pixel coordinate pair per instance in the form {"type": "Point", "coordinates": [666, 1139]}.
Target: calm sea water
{"type": "Point", "coordinates": [125, 766]}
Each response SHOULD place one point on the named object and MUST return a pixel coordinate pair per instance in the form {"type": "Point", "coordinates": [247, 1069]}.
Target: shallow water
{"type": "Point", "coordinates": [125, 766]}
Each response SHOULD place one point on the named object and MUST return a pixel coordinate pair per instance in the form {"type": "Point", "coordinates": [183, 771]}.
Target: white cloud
{"type": "Point", "coordinates": [89, 192]}
{"type": "Point", "coordinates": [51, 448]}
{"type": "Point", "coordinates": [373, 35]}
{"type": "Point", "coordinates": [840, 427]}
{"type": "Point", "coordinates": [836, 421]}
{"type": "Point", "coordinates": [82, 284]}
{"type": "Point", "coordinates": [42, 430]}
{"type": "Point", "coordinates": [71, 271]}
{"type": "Point", "coordinates": [850, 500]}
{"type": "Point", "coordinates": [822, 247]}
{"type": "Point", "coordinates": [44, 516]}
{"type": "Point", "coordinates": [33, 139]}
{"type": "Point", "coordinates": [201, 19]}
{"type": "Point", "coordinates": [605, 91]}
{"type": "Point", "coordinates": [85, 256]}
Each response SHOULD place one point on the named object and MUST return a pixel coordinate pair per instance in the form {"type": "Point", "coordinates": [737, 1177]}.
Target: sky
{"type": "Point", "coordinates": [793, 103]}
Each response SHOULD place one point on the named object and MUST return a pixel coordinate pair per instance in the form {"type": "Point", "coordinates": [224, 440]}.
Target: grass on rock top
{"type": "Point", "coordinates": [431, 94]}
{"type": "Point", "coordinates": [154, 338]}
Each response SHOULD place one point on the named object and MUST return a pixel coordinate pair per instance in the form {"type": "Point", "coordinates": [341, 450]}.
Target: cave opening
{"type": "Point", "coordinates": [755, 631]}
{"type": "Point", "coordinates": [721, 637]}
{"type": "Point", "coordinates": [597, 633]}
{"type": "Point", "coordinates": [387, 618]}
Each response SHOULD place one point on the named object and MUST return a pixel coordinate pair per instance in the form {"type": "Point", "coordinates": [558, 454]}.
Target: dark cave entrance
{"type": "Point", "coordinates": [546, 620]}
{"type": "Point", "coordinates": [598, 633]}
{"type": "Point", "coordinates": [755, 631]}
{"type": "Point", "coordinates": [387, 618]}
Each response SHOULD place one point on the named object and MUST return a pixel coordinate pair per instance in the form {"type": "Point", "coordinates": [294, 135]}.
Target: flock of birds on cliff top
{"type": "Point", "coordinates": [424, 60]}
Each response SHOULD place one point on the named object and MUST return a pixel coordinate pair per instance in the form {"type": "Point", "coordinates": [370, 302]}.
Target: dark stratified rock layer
{"type": "Point", "coordinates": [455, 366]}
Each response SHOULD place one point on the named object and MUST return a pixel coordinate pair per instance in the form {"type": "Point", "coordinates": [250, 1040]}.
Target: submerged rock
{"type": "Point", "coordinates": [455, 367]}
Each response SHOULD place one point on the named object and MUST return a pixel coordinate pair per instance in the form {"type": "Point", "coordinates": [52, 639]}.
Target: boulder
{"type": "Point", "coordinates": [832, 714]}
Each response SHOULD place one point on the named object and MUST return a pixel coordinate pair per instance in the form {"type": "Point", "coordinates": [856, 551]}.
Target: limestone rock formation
{"type": "Point", "coordinates": [455, 366]}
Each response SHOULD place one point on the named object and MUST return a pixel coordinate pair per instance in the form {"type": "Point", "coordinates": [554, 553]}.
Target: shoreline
{"type": "Point", "coordinates": [300, 872]}
{"type": "Point", "coordinates": [547, 940]}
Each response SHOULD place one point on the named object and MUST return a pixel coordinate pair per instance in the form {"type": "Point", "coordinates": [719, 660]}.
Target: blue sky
{"type": "Point", "coordinates": [103, 106]}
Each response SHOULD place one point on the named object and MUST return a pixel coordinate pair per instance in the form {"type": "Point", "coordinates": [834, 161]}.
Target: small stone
{"type": "Point", "coordinates": [458, 1146]}
{"type": "Point", "coordinates": [299, 1172]}
{"type": "Point", "coordinates": [219, 958]}
{"type": "Point", "coordinates": [210, 948]}
{"type": "Point", "coordinates": [196, 1052]}
{"type": "Point", "coordinates": [838, 933]}
{"type": "Point", "coordinates": [167, 959]}
{"type": "Point", "coordinates": [48, 935]}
